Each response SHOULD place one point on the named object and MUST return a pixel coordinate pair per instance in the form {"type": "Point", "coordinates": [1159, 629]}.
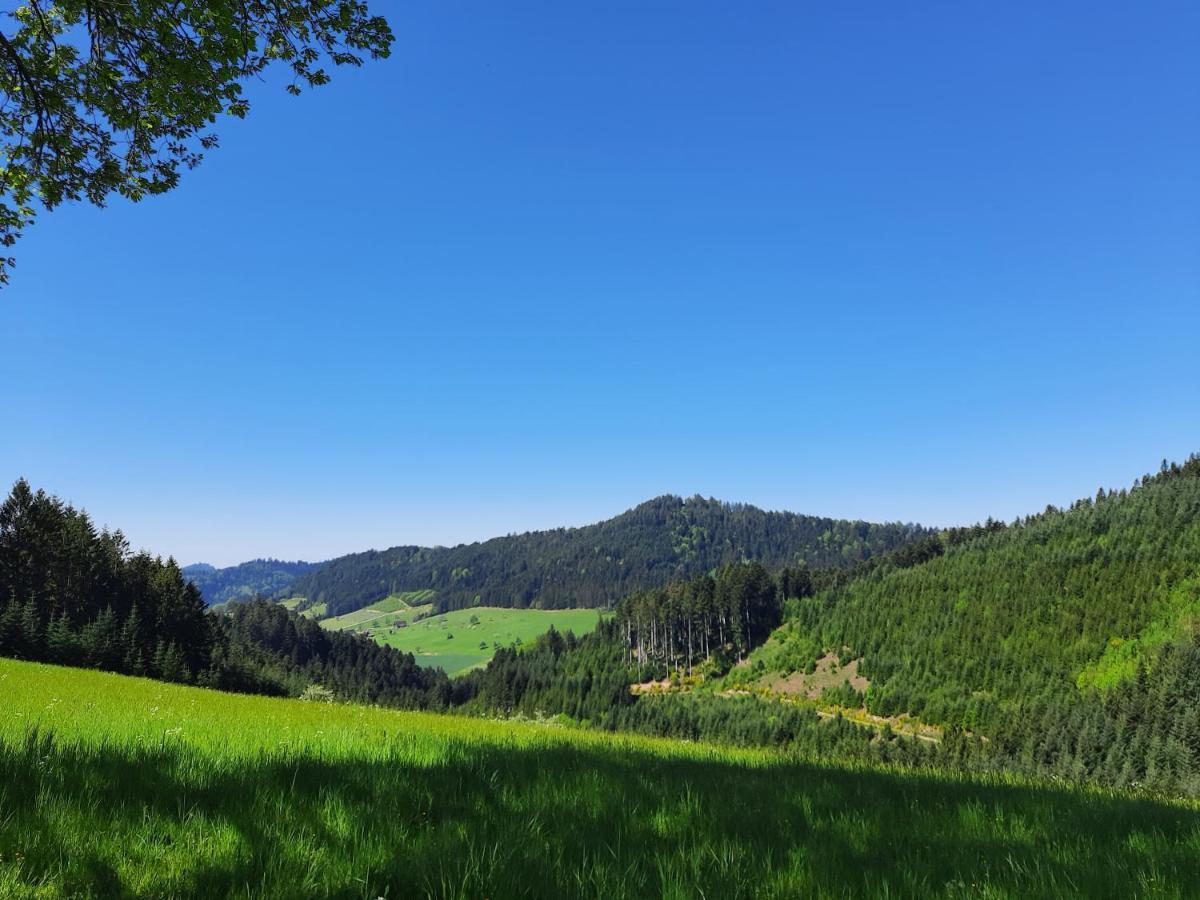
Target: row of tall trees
{"type": "Point", "coordinates": [265, 648]}
{"type": "Point", "coordinates": [727, 612]}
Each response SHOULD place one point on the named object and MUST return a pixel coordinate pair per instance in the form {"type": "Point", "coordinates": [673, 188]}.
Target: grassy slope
{"type": "Point", "coordinates": [315, 611]}
{"type": "Point", "coordinates": [132, 787]}
{"type": "Point", "coordinates": [450, 641]}
{"type": "Point", "coordinates": [429, 638]}
{"type": "Point", "coordinates": [406, 601]}
{"type": "Point", "coordinates": [404, 606]}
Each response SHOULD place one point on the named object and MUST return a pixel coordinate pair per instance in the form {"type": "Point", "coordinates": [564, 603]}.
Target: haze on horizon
{"type": "Point", "coordinates": [546, 263]}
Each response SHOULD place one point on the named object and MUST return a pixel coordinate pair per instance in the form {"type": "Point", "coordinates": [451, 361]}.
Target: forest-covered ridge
{"type": "Point", "coordinates": [1070, 637]}
{"type": "Point", "coordinates": [596, 565]}
{"type": "Point", "coordinates": [1090, 593]}
{"type": "Point", "coordinates": [256, 578]}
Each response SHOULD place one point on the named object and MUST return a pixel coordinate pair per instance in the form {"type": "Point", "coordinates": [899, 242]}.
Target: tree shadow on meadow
{"type": "Point", "coordinates": [562, 820]}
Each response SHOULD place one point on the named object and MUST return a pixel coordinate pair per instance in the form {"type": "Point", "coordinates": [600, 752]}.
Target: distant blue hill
{"type": "Point", "coordinates": [257, 578]}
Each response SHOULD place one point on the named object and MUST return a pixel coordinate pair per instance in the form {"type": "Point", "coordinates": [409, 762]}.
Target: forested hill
{"type": "Point", "coordinates": [75, 595]}
{"type": "Point", "coordinates": [1070, 639]}
{"type": "Point", "coordinates": [597, 565]}
{"type": "Point", "coordinates": [257, 578]}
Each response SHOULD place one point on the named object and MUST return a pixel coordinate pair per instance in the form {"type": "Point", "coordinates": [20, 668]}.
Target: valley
{"type": "Point", "coordinates": [986, 710]}
{"type": "Point", "coordinates": [697, 451]}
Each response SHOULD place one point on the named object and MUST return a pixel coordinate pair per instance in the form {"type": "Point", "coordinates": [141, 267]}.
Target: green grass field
{"type": "Point", "coordinates": [405, 601]}
{"type": "Point", "coordinates": [384, 613]}
{"type": "Point", "coordinates": [313, 612]}
{"type": "Point", "coordinates": [456, 644]}
{"type": "Point", "coordinates": [452, 641]}
{"type": "Point", "coordinates": [113, 786]}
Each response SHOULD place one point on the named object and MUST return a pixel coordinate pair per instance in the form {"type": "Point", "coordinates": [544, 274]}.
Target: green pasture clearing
{"type": "Point", "coordinates": [452, 640]}
{"type": "Point", "coordinates": [115, 786]}
{"type": "Point", "coordinates": [352, 620]}
{"type": "Point", "coordinates": [371, 620]}
{"type": "Point", "coordinates": [312, 612]}
{"type": "Point", "coordinates": [384, 612]}
{"type": "Point", "coordinates": [405, 601]}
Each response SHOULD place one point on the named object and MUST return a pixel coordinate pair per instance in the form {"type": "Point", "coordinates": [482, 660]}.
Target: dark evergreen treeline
{"type": "Point", "coordinates": [257, 578]}
{"type": "Point", "coordinates": [664, 539]}
{"type": "Point", "coordinates": [74, 595]}
{"type": "Point", "coordinates": [587, 679]}
{"type": "Point", "coordinates": [704, 624]}
{"type": "Point", "coordinates": [264, 648]}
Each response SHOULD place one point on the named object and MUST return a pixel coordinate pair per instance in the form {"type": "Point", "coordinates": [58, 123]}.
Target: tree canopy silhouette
{"type": "Point", "coordinates": [102, 97]}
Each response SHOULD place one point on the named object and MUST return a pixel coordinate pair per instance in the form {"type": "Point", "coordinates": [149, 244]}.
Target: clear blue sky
{"type": "Point", "coordinates": [927, 262]}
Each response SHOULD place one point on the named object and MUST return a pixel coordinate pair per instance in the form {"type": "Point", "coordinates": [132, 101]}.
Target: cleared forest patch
{"type": "Point", "coordinates": [829, 673]}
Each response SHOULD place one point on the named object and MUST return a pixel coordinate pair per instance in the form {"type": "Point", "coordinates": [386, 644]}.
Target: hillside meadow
{"type": "Point", "coordinates": [383, 613]}
{"type": "Point", "coordinates": [459, 640]}
{"type": "Point", "coordinates": [118, 786]}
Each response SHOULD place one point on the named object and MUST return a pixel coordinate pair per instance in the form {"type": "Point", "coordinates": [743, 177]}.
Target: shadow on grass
{"type": "Point", "coordinates": [563, 821]}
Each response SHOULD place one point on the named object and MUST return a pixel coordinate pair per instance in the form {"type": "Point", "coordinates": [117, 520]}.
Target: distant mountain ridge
{"type": "Point", "coordinates": [596, 565]}
{"type": "Point", "coordinates": [256, 578]}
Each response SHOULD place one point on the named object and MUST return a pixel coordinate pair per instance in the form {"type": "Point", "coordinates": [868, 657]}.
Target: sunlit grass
{"type": "Point", "coordinates": [113, 786]}
{"type": "Point", "coordinates": [460, 640]}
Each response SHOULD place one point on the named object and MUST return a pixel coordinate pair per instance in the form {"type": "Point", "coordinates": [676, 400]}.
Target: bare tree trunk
{"type": "Point", "coordinates": [689, 645]}
{"type": "Point", "coordinates": [670, 650]}
{"type": "Point", "coordinates": [747, 632]}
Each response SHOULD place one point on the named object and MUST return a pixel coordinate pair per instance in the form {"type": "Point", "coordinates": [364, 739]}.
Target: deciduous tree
{"type": "Point", "coordinates": [103, 97]}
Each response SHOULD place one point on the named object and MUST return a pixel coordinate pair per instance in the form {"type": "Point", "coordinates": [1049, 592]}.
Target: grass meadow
{"type": "Point", "coordinates": [115, 786]}
{"type": "Point", "coordinates": [313, 612]}
{"type": "Point", "coordinates": [460, 640]}
{"type": "Point", "coordinates": [383, 613]}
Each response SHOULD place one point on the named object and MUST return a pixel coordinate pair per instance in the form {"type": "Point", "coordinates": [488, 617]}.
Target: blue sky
{"type": "Point", "coordinates": [927, 264]}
